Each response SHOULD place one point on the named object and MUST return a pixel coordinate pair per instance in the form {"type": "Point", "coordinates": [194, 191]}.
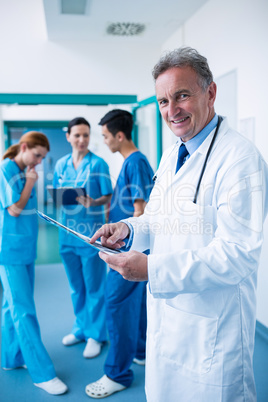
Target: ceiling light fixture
{"type": "Point", "coordinates": [125, 29]}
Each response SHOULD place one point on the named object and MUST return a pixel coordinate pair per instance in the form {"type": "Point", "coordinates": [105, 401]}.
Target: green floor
{"type": "Point", "coordinates": [48, 245]}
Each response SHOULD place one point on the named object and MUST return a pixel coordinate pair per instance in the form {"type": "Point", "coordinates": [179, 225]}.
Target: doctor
{"type": "Point", "coordinates": [21, 339]}
{"type": "Point", "coordinates": [85, 271]}
{"type": "Point", "coordinates": [204, 226]}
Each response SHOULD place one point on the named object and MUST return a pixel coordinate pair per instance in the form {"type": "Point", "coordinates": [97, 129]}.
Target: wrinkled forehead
{"type": "Point", "coordinates": [177, 79]}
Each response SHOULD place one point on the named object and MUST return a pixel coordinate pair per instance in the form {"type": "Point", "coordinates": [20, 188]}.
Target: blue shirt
{"type": "Point", "coordinates": [92, 174]}
{"type": "Point", "coordinates": [197, 140]}
{"type": "Point", "coordinates": [18, 235]}
{"type": "Point", "coordinates": [134, 182]}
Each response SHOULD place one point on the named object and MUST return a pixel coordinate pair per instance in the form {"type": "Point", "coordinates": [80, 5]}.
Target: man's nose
{"type": "Point", "coordinates": [173, 109]}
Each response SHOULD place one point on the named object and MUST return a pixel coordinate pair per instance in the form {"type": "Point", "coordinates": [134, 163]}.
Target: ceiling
{"type": "Point", "coordinates": [151, 21]}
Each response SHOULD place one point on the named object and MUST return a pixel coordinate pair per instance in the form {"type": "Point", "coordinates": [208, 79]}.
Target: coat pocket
{"type": "Point", "coordinates": [188, 340]}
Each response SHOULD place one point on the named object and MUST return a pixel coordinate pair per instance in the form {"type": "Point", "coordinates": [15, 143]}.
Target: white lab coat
{"type": "Point", "coordinates": [203, 272]}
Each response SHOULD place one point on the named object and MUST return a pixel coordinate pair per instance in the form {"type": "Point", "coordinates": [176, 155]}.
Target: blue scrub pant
{"type": "Point", "coordinates": [86, 273]}
{"type": "Point", "coordinates": [21, 339]}
{"type": "Point", "coordinates": [126, 323]}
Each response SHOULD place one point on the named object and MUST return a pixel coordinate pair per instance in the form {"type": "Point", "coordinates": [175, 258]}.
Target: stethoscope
{"type": "Point", "coordinates": [220, 119]}
{"type": "Point", "coordinates": [206, 159]}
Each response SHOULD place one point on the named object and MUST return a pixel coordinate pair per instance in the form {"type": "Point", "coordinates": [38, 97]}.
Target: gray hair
{"type": "Point", "coordinates": [185, 57]}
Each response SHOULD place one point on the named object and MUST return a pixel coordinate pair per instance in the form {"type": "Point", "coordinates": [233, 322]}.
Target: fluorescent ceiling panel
{"type": "Point", "coordinates": [73, 7]}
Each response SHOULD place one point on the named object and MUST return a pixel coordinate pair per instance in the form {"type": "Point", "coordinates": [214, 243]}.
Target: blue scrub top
{"type": "Point", "coordinates": [92, 174]}
{"type": "Point", "coordinates": [18, 235]}
{"type": "Point", "coordinates": [134, 182]}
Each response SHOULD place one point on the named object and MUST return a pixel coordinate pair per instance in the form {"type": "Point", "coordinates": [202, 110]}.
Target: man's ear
{"type": "Point", "coordinates": [212, 90]}
{"type": "Point", "coordinates": [120, 136]}
{"type": "Point", "coordinates": [67, 137]}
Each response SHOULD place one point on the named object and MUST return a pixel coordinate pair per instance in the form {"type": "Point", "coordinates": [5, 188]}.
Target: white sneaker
{"type": "Point", "coordinates": [70, 339]}
{"type": "Point", "coordinates": [103, 387]}
{"type": "Point", "coordinates": [14, 368]}
{"type": "Point", "coordinates": [53, 387]}
{"type": "Point", "coordinates": [140, 362]}
{"type": "Point", "coordinates": [92, 349]}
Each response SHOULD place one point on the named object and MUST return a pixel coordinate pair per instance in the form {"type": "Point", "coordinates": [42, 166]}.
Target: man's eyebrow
{"type": "Point", "coordinates": [159, 99]}
{"type": "Point", "coordinates": [179, 92]}
{"type": "Point", "coordinates": [182, 91]}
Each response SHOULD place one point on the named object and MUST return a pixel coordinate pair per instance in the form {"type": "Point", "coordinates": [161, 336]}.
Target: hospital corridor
{"type": "Point", "coordinates": [140, 127]}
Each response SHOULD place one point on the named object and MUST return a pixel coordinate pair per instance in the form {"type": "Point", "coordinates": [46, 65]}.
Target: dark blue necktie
{"type": "Point", "coordinates": [181, 156]}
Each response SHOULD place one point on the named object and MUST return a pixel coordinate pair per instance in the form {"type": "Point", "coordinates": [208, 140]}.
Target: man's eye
{"type": "Point", "coordinates": [162, 102]}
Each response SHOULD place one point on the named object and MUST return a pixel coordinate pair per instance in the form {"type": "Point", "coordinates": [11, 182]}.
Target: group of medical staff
{"type": "Point", "coordinates": [124, 310]}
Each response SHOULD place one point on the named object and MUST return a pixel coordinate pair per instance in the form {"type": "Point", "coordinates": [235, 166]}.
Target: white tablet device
{"type": "Point", "coordinates": [86, 239]}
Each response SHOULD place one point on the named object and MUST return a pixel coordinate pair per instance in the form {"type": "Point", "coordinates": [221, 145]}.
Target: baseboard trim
{"type": "Point", "coordinates": [262, 331]}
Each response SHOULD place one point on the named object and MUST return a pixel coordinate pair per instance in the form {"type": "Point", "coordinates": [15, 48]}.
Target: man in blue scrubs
{"type": "Point", "coordinates": [125, 301]}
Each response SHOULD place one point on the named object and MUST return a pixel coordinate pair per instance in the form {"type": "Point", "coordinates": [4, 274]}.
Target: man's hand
{"type": "Point", "coordinates": [131, 265]}
{"type": "Point", "coordinates": [112, 235]}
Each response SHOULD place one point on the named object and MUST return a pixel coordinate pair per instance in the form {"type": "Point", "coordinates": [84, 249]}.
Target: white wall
{"type": "Point", "coordinates": [29, 63]}
{"type": "Point", "coordinates": [233, 36]}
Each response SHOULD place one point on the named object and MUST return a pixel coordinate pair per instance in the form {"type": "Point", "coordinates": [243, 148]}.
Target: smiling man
{"type": "Point", "coordinates": [203, 225]}
{"type": "Point", "coordinates": [185, 106]}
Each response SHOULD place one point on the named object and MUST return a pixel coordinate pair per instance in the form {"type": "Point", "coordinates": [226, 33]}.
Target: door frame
{"type": "Point", "coordinates": [84, 99]}
{"type": "Point", "coordinates": [30, 124]}
{"type": "Point", "coordinates": [158, 119]}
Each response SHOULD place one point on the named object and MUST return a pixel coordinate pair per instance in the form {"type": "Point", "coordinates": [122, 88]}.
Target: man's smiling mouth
{"type": "Point", "coordinates": [180, 120]}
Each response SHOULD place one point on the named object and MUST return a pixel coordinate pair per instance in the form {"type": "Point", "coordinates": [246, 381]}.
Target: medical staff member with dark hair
{"type": "Point", "coordinates": [85, 271]}
{"type": "Point", "coordinates": [21, 340]}
{"type": "Point", "coordinates": [125, 301]}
